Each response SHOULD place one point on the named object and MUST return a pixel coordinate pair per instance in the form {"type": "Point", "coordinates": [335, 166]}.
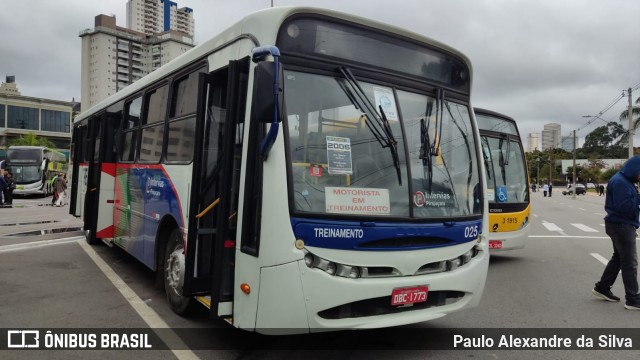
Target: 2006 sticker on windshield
{"type": "Point", "coordinates": [339, 155]}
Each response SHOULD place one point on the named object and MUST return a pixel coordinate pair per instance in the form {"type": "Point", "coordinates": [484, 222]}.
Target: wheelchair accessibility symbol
{"type": "Point", "coordinates": [501, 195]}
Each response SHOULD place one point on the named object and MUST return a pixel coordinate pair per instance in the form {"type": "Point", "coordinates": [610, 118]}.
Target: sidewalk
{"type": "Point", "coordinates": [33, 218]}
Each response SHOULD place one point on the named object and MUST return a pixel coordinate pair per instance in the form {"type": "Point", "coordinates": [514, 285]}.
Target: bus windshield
{"type": "Point", "coordinates": [24, 174]}
{"type": "Point", "coordinates": [505, 170]}
{"type": "Point", "coordinates": [342, 162]}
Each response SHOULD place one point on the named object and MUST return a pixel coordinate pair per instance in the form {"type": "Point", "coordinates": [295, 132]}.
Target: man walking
{"type": "Point", "coordinates": [622, 204]}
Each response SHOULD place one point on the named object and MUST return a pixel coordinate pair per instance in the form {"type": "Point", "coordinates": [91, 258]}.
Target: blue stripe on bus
{"type": "Point", "coordinates": [357, 235]}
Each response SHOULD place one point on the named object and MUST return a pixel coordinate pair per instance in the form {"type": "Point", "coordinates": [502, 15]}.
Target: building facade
{"type": "Point", "coordinates": [20, 115]}
{"type": "Point", "coordinates": [114, 57]}
{"type": "Point", "coordinates": [566, 143]}
{"type": "Point", "coordinates": [533, 142]}
{"type": "Point", "coordinates": [551, 136]}
{"type": "Point", "coordinates": [156, 16]}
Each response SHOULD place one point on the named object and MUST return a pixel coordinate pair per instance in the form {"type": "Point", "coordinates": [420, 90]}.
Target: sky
{"type": "Point", "coordinates": [541, 61]}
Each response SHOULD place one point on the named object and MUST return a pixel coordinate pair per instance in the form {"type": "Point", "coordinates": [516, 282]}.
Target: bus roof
{"type": "Point", "coordinates": [261, 27]}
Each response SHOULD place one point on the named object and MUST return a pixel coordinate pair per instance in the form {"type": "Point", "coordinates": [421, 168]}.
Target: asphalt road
{"type": "Point", "coordinates": [62, 282]}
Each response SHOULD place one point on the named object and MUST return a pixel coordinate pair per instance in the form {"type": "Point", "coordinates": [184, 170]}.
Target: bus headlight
{"type": "Point", "coordinates": [352, 272]}
{"type": "Point", "coordinates": [466, 257]}
{"type": "Point", "coordinates": [308, 259]}
{"type": "Point", "coordinates": [331, 268]}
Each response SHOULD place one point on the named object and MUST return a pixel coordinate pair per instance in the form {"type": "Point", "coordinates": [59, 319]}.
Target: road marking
{"type": "Point", "coordinates": [582, 209]}
{"type": "Point", "coordinates": [535, 215]}
{"type": "Point", "coordinates": [569, 236]}
{"type": "Point", "coordinates": [146, 313]}
{"type": "Point", "coordinates": [551, 226]}
{"type": "Point", "coordinates": [38, 244]}
{"type": "Point", "coordinates": [600, 258]}
{"type": "Point", "coordinates": [599, 214]}
{"type": "Point", "coordinates": [584, 228]}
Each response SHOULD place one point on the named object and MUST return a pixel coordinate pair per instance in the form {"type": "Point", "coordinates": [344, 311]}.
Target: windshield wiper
{"type": "Point", "coordinates": [425, 146]}
{"type": "Point", "coordinates": [435, 148]}
{"type": "Point", "coordinates": [503, 162]}
{"type": "Point", "coordinates": [380, 127]}
{"type": "Point", "coordinates": [428, 148]}
{"type": "Point", "coordinates": [468, 147]}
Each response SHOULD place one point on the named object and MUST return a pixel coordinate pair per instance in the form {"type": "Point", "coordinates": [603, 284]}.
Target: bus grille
{"type": "Point", "coordinates": [382, 306]}
{"type": "Point", "coordinates": [405, 242]}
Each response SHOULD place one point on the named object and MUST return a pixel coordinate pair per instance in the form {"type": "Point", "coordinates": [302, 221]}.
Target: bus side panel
{"type": "Point", "coordinates": [105, 228]}
{"type": "Point", "coordinates": [128, 212]}
{"type": "Point", "coordinates": [282, 294]}
{"type": "Point", "coordinates": [163, 194]}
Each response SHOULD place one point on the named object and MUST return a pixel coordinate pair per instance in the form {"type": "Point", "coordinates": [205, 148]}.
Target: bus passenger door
{"type": "Point", "coordinates": [214, 199]}
{"type": "Point", "coordinates": [79, 170]}
{"type": "Point", "coordinates": [91, 197]}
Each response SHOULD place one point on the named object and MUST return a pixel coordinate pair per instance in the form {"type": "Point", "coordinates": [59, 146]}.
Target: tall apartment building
{"type": "Point", "coordinates": [20, 115]}
{"type": "Point", "coordinates": [551, 136]}
{"type": "Point", "coordinates": [156, 16]}
{"type": "Point", "coordinates": [114, 57]}
{"type": "Point", "coordinates": [533, 142]}
{"type": "Point", "coordinates": [567, 143]}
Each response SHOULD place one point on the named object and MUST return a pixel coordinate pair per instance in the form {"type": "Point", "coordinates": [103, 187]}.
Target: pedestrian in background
{"type": "Point", "coordinates": [61, 186]}
{"type": "Point", "coordinates": [10, 185]}
{"type": "Point", "coordinates": [545, 189]}
{"type": "Point", "coordinates": [550, 188]}
{"type": "Point", "coordinates": [52, 185]}
{"type": "Point", "coordinates": [622, 205]}
{"type": "Point", "coordinates": [3, 185]}
{"type": "Point", "coordinates": [601, 190]}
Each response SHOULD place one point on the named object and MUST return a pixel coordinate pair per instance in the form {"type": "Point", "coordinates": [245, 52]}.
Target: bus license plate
{"type": "Point", "coordinates": [495, 244]}
{"type": "Point", "coordinates": [20, 187]}
{"type": "Point", "coordinates": [409, 295]}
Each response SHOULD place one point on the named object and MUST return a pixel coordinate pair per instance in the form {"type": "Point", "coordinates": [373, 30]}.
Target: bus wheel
{"type": "Point", "coordinates": [90, 237]}
{"type": "Point", "coordinates": [174, 269]}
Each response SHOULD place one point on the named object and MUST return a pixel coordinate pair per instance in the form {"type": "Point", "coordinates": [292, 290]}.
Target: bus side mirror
{"type": "Point", "coordinates": [267, 101]}
{"type": "Point", "coordinates": [264, 94]}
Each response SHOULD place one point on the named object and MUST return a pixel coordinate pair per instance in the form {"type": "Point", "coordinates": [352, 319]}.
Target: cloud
{"type": "Point", "coordinates": [536, 61]}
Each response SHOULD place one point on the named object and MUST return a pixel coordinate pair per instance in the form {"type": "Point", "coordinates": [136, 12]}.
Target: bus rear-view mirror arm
{"type": "Point", "coordinates": [267, 104]}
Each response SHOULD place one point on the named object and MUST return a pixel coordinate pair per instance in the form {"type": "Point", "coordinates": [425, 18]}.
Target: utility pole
{"type": "Point", "coordinates": [631, 129]}
{"type": "Point", "coordinates": [550, 168]}
{"type": "Point", "coordinates": [574, 165]}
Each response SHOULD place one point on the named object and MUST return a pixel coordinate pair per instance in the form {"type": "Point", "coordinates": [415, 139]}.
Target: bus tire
{"type": "Point", "coordinates": [90, 238]}
{"type": "Point", "coordinates": [174, 270]}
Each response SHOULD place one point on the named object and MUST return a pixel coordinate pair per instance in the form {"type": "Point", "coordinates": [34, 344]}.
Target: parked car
{"type": "Point", "coordinates": [591, 186]}
{"type": "Point", "coordinates": [580, 189]}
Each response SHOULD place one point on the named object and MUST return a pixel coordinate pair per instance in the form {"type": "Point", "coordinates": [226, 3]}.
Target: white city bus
{"type": "Point", "coordinates": [32, 168]}
{"type": "Point", "coordinates": [303, 170]}
{"type": "Point", "coordinates": [507, 181]}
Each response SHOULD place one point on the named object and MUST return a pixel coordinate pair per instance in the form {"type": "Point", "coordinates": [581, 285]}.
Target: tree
{"type": "Point", "coordinates": [607, 174]}
{"type": "Point", "coordinates": [635, 116]}
{"type": "Point", "coordinates": [597, 142]}
{"type": "Point", "coordinates": [31, 139]}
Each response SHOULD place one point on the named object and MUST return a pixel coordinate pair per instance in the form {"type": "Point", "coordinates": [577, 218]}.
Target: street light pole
{"type": "Point", "coordinates": [550, 168]}
{"type": "Point", "coordinates": [631, 129]}
{"type": "Point", "coordinates": [574, 165]}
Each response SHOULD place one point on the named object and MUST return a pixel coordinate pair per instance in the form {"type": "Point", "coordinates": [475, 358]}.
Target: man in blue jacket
{"type": "Point", "coordinates": [622, 204]}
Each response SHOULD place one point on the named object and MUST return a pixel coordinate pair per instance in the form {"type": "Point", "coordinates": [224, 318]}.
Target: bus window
{"type": "Point", "coordinates": [153, 125]}
{"type": "Point", "coordinates": [130, 130]}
